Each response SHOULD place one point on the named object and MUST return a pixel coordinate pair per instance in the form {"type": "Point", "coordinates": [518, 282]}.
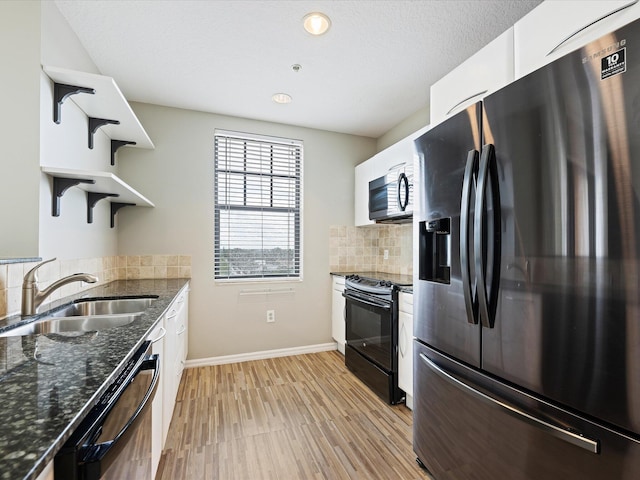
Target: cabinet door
{"type": "Point", "coordinates": [337, 313]}
{"type": "Point", "coordinates": [170, 352]}
{"type": "Point", "coordinates": [157, 438]}
{"type": "Point", "coordinates": [405, 345]}
{"type": "Point", "coordinates": [181, 335]}
{"type": "Point", "coordinates": [175, 351]}
{"type": "Point", "coordinates": [567, 25]}
{"type": "Point", "coordinates": [485, 72]}
{"type": "Point", "coordinates": [363, 175]}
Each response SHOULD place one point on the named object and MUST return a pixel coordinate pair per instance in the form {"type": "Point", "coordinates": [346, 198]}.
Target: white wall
{"type": "Point", "coordinates": [178, 177]}
{"type": "Point", "coordinates": [65, 145]}
{"type": "Point", "coordinates": [19, 127]}
{"type": "Point", "coordinates": [34, 33]}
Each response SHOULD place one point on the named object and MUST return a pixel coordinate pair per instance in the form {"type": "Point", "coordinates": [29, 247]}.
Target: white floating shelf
{"type": "Point", "coordinates": [105, 182]}
{"type": "Point", "coordinates": [107, 102]}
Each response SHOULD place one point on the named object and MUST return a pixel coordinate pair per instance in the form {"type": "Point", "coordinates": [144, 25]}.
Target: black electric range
{"type": "Point", "coordinates": [371, 321]}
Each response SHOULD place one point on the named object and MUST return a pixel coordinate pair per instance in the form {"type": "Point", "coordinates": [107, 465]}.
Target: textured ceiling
{"type": "Point", "coordinates": [369, 72]}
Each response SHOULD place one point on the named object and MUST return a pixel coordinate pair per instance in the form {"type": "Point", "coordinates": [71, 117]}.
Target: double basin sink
{"type": "Point", "coordinates": [86, 315]}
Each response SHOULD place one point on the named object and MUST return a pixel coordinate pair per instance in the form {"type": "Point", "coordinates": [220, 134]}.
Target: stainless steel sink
{"type": "Point", "coordinates": [86, 315]}
{"type": "Point", "coordinates": [71, 324]}
{"type": "Point", "coordinates": [105, 307]}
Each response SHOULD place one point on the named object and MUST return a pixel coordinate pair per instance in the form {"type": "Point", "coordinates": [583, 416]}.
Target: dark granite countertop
{"type": "Point", "coordinates": [49, 382]}
{"type": "Point", "coordinates": [399, 280]}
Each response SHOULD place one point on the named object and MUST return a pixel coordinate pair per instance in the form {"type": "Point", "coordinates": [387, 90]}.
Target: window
{"type": "Point", "coordinates": [257, 206]}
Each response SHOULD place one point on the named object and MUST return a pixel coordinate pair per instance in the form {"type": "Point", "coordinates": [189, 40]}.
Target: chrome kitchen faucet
{"type": "Point", "coordinates": [32, 297]}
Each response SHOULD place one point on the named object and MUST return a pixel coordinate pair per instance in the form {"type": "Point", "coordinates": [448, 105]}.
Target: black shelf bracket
{"type": "Point", "coordinates": [61, 92]}
{"type": "Point", "coordinates": [115, 145]}
{"type": "Point", "coordinates": [115, 206]}
{"type": "Point", "coordinates": [61, 185]}
{"type": "Point", "coordinates": [92, 199]}
{"type": "Point", "coordinates": [95, 124]}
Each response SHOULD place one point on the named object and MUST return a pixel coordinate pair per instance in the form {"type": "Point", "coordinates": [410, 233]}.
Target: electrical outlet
{"type": "Point", "coordinates": [271, 316]}
{"type": "Point", "coordinates": [386, 254]}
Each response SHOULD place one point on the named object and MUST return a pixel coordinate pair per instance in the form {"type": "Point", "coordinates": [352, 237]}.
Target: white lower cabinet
{"type": "Point", "coordinates": [175, 353]}
{"type": "Point", "coordinates": [157, 440]}
{"type": "Point", "coordinates": [337, 312]}
{"type": "Point", "coordinates": [405, 346]}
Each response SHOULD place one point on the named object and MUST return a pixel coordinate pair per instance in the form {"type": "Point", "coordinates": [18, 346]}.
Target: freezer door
{"type": "Point", "coordinates": [567, 143]}
{"type": "Point", "coordinates": [447, 176]}
{"type": "Point", "coordinates": [467, 426]}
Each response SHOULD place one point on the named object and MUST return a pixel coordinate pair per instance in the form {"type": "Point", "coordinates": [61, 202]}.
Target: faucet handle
{"type": "Point", "coordinates": [32, 275]}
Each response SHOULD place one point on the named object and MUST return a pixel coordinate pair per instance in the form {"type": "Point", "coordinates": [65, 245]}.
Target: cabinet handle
{"type": "Point", "coordinates": [161, 336]}
{"type": "Point", "coordinates": [403, 340]}
{"type": "Point", "coordinates": [401, 164]}
{"type": "Point", "coordinates": [172, 314]}
{"type": "Point", "coordinates": [590, 24]}
{"type": "Point", "coordinates": [468, 98]}
{"type": "Point", "coordinates": [182, 330]}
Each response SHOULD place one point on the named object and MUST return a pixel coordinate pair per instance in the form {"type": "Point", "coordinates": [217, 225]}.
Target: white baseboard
{"type": "Point", "coordinates": [245, 357]}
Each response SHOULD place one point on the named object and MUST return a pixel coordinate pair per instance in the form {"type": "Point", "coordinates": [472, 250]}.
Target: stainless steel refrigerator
{"type": "Point", "coordinates": [527, 295]}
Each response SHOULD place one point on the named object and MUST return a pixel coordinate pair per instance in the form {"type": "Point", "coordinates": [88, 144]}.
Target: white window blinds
{"type": "Point", "coordinates": [257, 206]}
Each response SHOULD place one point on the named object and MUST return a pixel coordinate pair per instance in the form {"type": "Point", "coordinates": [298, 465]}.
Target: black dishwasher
{"type": "Point", "coordinates": [122, 417]}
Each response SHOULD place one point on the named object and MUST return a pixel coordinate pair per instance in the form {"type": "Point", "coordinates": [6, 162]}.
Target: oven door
{"type": "Point", "coordinates": [114, 440]}
{"type": "Point", "coordinates": [369, 328]}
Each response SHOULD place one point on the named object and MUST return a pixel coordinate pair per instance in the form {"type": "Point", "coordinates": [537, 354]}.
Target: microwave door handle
{"type": "Point", "coordinates": [105, 453]}
{"type": "Point", "coordinates": [403, 191]}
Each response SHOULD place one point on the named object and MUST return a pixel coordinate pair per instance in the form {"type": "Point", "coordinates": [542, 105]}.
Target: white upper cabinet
{"type": "Point", "coordinates": [557, 27]}
{"type": "Point", "coordinates": [364, 174]}
{"type": "Point", "coordinates": [485, 72]}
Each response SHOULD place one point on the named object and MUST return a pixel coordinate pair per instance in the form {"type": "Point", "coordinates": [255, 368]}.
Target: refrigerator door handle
{"type": "Point", "coordinates": [468, 288]}
{"type": "Point", "coordinates": [487, 296]}
{"type": "Point", "coordinates": [572, 437]}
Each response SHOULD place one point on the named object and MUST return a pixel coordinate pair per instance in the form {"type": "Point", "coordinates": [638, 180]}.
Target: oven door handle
{"type": "Point", "coordinates": [367, 301]}
{"type": "Point", "coordinates": [98, 457]}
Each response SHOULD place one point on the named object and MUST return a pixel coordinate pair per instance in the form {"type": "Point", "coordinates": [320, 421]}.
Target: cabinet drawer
{"type": "Point", "coordinates": [405, 302]}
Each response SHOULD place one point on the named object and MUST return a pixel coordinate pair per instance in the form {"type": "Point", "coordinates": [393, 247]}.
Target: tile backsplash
{"type": "Point", "coordinates": [363, 248]}
{"type": "Point", "coordinates": [107, 269]}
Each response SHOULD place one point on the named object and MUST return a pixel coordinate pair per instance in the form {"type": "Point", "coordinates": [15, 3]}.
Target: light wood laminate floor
{"type": "Point", "coordinates": [299, 417]}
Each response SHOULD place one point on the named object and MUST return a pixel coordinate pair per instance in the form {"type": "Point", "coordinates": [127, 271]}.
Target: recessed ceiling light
{"type": "Point", "coordinates": [281, 98]}
{"type": "Point", "coordinates": [316, 23]}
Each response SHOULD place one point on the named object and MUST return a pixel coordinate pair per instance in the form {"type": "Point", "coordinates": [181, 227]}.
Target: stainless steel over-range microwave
{"type": "Point", "coordinates": [391, 196]}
